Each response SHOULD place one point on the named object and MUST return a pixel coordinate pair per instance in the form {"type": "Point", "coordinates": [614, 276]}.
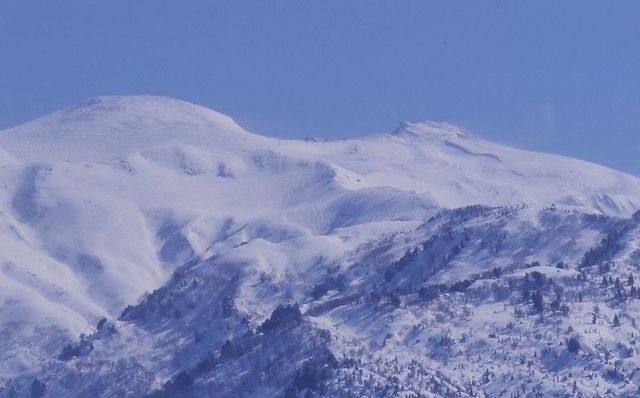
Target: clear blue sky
{"type": "Point", "coordinates": [549, 75]}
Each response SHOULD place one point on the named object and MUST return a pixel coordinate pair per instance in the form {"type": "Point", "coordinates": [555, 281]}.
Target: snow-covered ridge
{"type": "Point", "coordinates": [102, 201]}
{"type": "Point", "coordinates": [447, 165]}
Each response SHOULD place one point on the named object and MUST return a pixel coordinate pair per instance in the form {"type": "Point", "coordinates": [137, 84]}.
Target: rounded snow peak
{"type": "Point", "coordinates": [104, 128]}
{"type": "Point", "coordinates": [141, 106]}
{"type": "Point", "coordinates": [430, 129]}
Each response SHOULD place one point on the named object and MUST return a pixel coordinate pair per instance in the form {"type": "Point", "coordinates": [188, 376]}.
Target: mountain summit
{"type": "Point", "coordinates": [152, 247]}
{"type": "Point", "coordinates": [103, 128]}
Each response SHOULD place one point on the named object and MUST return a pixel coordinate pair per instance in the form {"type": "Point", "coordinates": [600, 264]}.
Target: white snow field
{"type": "Point", "coordinates": [100, 203]}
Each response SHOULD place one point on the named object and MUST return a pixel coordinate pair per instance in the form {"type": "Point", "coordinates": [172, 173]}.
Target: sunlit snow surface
{"type": "Point", "coordinates": [102, 201]}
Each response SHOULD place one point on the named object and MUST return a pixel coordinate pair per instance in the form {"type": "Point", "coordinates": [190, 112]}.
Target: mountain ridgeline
{"type": "Point", "coordinates": [154, 248]}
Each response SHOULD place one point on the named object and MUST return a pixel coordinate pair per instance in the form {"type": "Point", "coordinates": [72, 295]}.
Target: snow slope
{"type": "Point", "coordinates": [102, 201]}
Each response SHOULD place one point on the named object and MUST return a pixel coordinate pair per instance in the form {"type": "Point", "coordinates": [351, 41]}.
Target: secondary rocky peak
{"type": "Point", "coordinates": [433, 129]}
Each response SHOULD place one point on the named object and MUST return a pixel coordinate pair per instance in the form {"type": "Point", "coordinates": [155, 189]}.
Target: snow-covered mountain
{"type": "Point", "coordinates": [154, 247]}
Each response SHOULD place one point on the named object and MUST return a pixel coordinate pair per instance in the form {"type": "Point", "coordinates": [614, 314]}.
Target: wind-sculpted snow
{"type": "Point", "coordinates": [197, 258]}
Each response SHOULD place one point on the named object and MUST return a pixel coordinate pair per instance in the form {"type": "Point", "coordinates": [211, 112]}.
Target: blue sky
{"type": "Point", "coordinates": [554, 76]}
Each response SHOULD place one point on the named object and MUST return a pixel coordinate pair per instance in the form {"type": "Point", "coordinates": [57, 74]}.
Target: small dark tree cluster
{"type": "Point", "coordinates": [313, 375]}
{"type": "Point", "coordinates": [330, 283]}
{"type": "Point", "coordinates": [69, 352]}
{"type": "Point", "coordinates": [428, 293]}
{"type": "Point", "coordinates": [535, 280]}
{"type": "Point", "coordinates": [284, 314]}
{"type": "Point", "coordinates": [573, 345]}
{"type": "Point", "coordinates": [537, 301]}
{"type": "Point", "coordinates": [616, 321]}
{"type": "Point", "coordinates": [181, 386]}
{"type": "Point", "coordinates": [460, 286]}
{"type": "Point", "coordinates": [603, 251]}
{"type": "Point", "coordinates": [559, 306]}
